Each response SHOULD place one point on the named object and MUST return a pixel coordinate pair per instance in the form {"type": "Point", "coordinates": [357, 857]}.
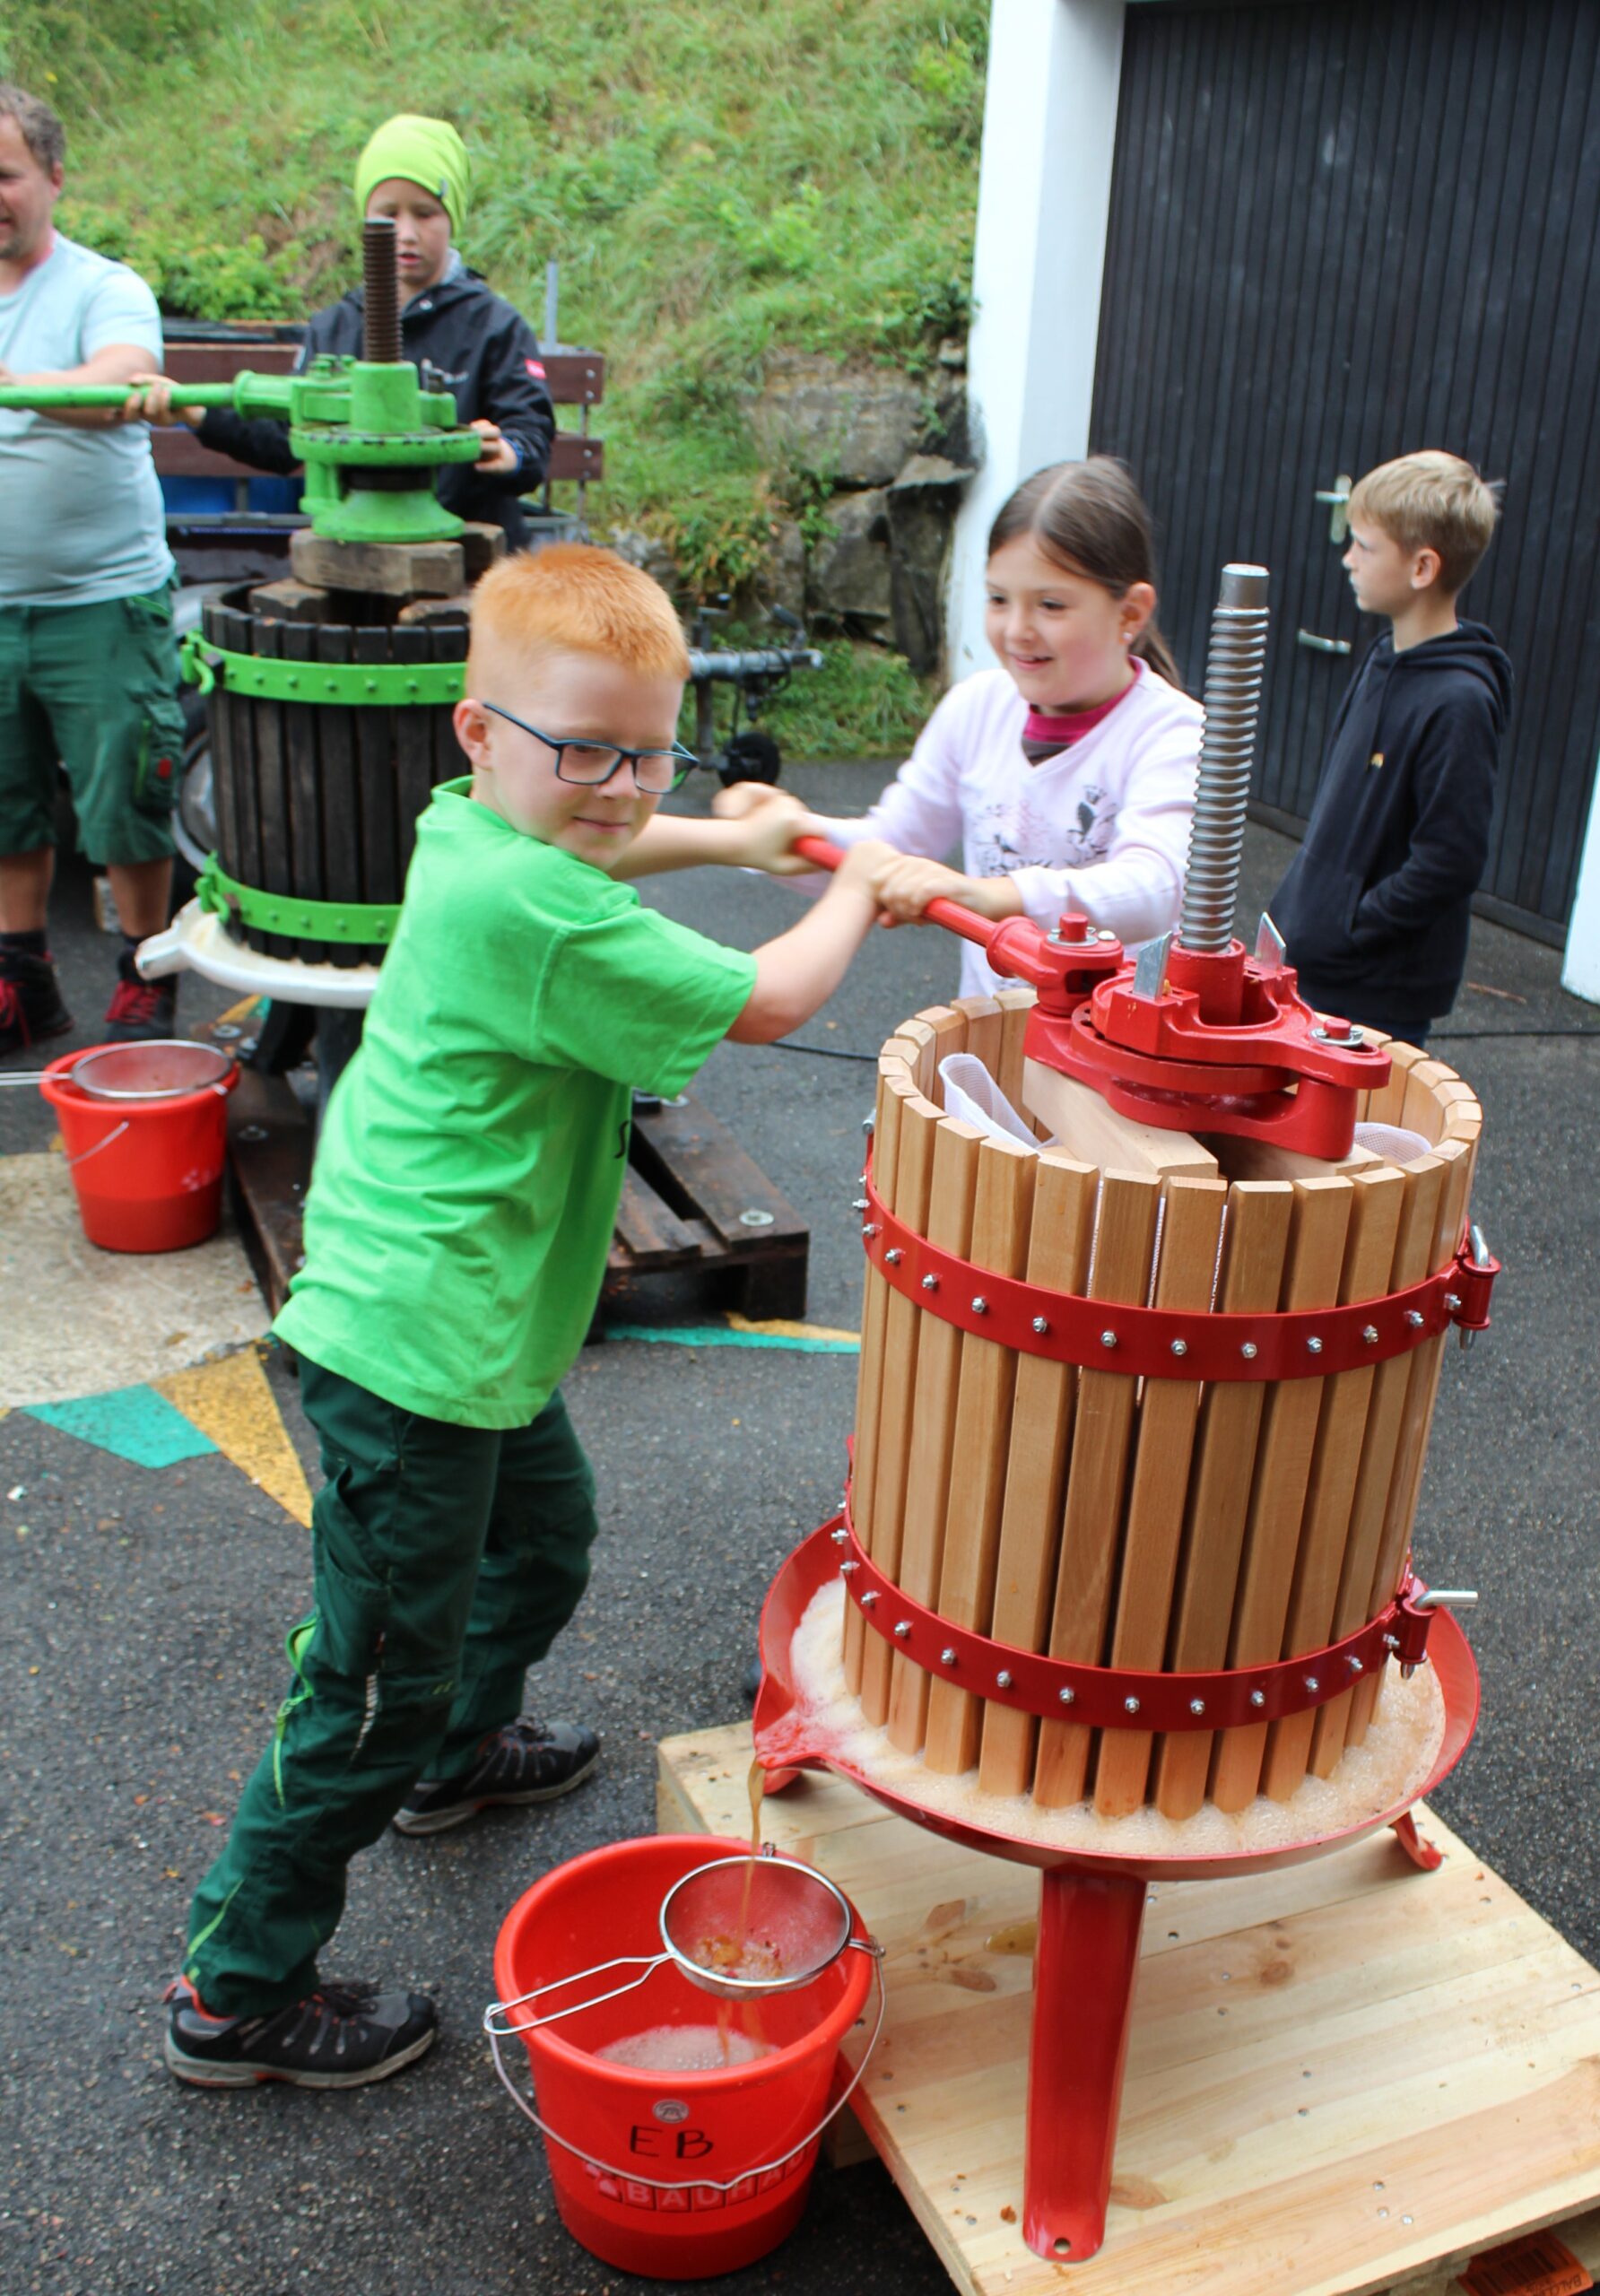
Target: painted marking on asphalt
{"type": "Point", "coordinates": [719, 1335]}
{"type": "Point", "coordinates": [133, 1423]}
{"type": "Point", "coordinates": [781, 1327]}
{"type": "Point", "coordinates": [232, 1401]}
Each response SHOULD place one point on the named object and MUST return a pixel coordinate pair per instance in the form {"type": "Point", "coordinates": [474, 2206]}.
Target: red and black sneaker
{"type": "Point", "coordinates": [340, 2037]}
{"type": "Point", "coordinates": [30, 1005]}
{"type": "Point", "coordinates": [140, 1011]}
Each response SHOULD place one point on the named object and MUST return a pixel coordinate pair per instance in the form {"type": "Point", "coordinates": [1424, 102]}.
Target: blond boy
{"type": "Point", "coordinates": [466, 1188]}
{"type": "Point", "coordinates": [1376, 905]}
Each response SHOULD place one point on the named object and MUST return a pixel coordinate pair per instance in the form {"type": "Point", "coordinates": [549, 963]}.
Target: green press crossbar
{"type": "Point", "coordinates": [356, 923]}
{"type": "Point", "coordinates": [266, 678]}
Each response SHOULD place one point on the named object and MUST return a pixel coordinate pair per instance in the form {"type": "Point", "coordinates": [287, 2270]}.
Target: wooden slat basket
{"type": "Point", "coordinates": [1149, 1523]}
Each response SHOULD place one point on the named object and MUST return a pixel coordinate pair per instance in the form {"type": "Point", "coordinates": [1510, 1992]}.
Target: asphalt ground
{"type": "Point", "coordinates": [141, 1663]}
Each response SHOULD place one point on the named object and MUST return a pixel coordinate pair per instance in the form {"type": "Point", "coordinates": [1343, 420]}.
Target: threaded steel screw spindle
{"type": "Point", "coordinates": [1233, 701]}
{"type": "Point", "coordinates": [380, 282]}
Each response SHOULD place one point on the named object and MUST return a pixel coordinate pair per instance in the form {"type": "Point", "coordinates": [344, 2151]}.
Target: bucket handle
{"type": "Point", "coordinates": [74, 1162]}
{"type": "Point", "coordinates": [531, 2024]}
{"type": "Point", "coordinates": [683, 2184]}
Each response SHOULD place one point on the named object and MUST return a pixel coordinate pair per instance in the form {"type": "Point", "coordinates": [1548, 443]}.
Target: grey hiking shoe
{"type": "Point", "coordinates": [340, 2037]}
{"type": "Point", "coordinates": [526, 1762]}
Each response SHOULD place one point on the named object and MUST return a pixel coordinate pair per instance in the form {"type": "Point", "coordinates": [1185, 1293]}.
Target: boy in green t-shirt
{"type": "Point", "coordinates": [457, 1230]}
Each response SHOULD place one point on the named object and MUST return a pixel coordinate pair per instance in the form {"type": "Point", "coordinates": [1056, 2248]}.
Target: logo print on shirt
{"type": "Point", "coordinates": [535, 368]}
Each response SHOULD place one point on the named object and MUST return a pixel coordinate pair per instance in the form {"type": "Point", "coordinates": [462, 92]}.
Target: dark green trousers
{"type": "Point", "coordinates": [446, 1559]}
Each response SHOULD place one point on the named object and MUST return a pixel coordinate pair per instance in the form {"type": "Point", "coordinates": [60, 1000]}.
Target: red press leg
{"type": "Point", "coordinates": [1082, 2000]}
{"type": "Point", "coordinates": [1417, 1846]}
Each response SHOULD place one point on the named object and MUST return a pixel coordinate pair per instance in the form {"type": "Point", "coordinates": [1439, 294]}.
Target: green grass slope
{"type": "Point", "coordinates": [715, 181]}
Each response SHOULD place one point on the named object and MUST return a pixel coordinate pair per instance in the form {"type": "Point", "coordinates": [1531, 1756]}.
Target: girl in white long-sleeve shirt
{"type": "Point", "coordinates": [1067, 776]}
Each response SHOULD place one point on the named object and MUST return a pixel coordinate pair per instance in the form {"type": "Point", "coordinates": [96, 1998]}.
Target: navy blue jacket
{"type": "Point", "coordinates": [477, 347]}
{"type": "Point", "coordinates": [1376, 905]}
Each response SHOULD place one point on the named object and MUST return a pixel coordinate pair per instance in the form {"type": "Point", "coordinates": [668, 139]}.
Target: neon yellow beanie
{"type": "Point", "coordinates": [426, 151]}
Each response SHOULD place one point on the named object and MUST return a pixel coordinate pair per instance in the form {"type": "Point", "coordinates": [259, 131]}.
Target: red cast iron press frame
{"type": "Point", "coordinates": [1194, 1036]}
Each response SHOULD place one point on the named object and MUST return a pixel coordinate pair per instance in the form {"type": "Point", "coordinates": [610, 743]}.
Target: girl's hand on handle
{"type": "Point", "coordinates": [905, 883]}
{"type": "Point", "coordinates": [149, 400]}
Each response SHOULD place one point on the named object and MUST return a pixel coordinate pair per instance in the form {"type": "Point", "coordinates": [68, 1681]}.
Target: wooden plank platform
{"type": "Point", "coordinates": [1345, 2077]}
{"type": "Point", "coordinates": [693, 1203]}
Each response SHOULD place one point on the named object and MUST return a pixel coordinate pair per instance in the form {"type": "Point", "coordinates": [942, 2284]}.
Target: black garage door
{"type": "Point", "coordinates": [1338, 233]}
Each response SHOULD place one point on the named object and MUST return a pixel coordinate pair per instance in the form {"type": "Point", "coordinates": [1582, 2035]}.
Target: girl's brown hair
{"type": "Point", "coordinates": [1089, 518]}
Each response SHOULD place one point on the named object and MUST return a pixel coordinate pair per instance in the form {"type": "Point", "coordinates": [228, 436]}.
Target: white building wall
{"type": "Point", "coordinates": [1049, 130]}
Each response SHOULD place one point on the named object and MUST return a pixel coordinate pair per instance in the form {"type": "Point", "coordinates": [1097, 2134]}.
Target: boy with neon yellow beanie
{"type": "Point", "coordinates": [417, 171]}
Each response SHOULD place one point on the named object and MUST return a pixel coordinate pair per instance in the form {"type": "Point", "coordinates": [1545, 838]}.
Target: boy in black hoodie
{"type": "Point", "coordinates": [462, 336]}
{"type": "Point", "coordinates": [1376, 905]}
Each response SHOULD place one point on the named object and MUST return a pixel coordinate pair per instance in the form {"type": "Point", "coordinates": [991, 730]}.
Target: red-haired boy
{"type": "Point", "coordinates": [465, 1191]}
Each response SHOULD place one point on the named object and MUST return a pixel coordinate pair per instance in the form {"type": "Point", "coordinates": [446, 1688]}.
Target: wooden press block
{"type": "Point", "coordinates": [393, 570]}
{"type": "Point", "coordinates": [1087, 1127]}
{"type": "Point", "coordinates": [1263, 1159]}
{"type": "Point", "coordinates": [1343, 2077]}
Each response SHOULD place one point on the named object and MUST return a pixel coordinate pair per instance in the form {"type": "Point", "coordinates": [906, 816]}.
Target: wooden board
{"type": "Point", "coordinates": [689, 1185]}
{"type": "Point", "coordinates": [1343, 2077]}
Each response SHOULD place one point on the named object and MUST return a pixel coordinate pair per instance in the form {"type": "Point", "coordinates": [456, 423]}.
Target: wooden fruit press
{"type": "Point", "coordinates": [1121, 1585]}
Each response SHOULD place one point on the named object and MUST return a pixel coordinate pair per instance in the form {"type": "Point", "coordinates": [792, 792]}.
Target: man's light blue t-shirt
{"type": "Point", "coordinates": [81, 515]}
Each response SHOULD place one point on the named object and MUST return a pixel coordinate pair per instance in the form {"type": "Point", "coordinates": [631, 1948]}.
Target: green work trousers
{"type": "Point", "coordinates": [447, 1561]}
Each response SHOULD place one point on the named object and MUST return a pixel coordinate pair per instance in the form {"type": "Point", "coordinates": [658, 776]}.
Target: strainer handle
{"type": "Point", "coordinates": [74, 1162]}
{"type": "Point", "coordinates": [497, 2033]}
{"type": "Point", "coordinates": [531, 2024]}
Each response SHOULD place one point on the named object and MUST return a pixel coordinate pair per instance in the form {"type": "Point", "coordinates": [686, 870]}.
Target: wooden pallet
{"type": "Point", "coordinates": [688, 1188]}
{"type": "Point", "coordinates": [1345, 2077]}
{"type": "Point", "coordinates": [693, 1203]}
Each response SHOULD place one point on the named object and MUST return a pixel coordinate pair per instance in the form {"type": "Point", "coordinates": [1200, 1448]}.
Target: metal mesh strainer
{"type": "Point", "coordinates": [162, 1069]}
{"type": "Point", "coordinates": [739, 1927]}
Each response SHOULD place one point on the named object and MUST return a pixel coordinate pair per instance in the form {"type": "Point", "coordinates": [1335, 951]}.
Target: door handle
{"type": "Point", "coordinates": [1338, 497]}
{"type": "Point", "coordinates": [1321, 645]}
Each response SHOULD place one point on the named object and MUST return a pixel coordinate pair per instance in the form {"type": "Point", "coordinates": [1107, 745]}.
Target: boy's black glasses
{"type": "Point", "coordinates": [592, 764]}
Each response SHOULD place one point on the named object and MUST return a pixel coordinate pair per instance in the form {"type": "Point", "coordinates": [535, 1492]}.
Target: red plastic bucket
{"type": "Point", "coordinates": [626, 2146]}
{"type": "Point", "coordinates": [148, 1173]}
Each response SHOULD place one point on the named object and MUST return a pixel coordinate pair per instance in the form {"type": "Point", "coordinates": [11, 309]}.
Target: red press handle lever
{"type": "Point", "coordinates": [939, 911]}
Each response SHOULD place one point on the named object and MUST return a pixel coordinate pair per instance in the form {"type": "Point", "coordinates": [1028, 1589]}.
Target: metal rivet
{"type": "Point", "coordinates": [845, 1567]}
{"type": "Point", "coordinates": [980, 1306]}
{"type": "Point", "coordinates": [947, 1656]}
{"type": "Point", "coordinates": [1356, 1667]}
{"type": "Point", "coordinates": [1180, 1347]}
{"type": "Point", "coordinates": [1452, 1301]}
{"type": "Point", "coordinates": [869, 1598]}
{"type": "Point", "coordinates": [902, 1629]}
{"type": "Point", "coordinates": [1040, 1325]}
{"type": "Point", "coordinates": [1002, 1679]}
{"type": "Point", "coordinates": [930, 1282]}
{"type": "Point", "coordinates": [1312, 1685]}
{"type": "Point", "coordinates": [1066, 1696]}
{"type": "Point", "coordinates": [841, 1537]}
{"type": "Point", "coordinates": [1197, 1706]}
{"type": "Point", "coordinates": [895, 1256]}
{"type": "Point", "coordinates": [372, 685]}
{"type": "Point", "coordinates": [1313, 1347]}
{"type": "Point", "coordinates": [1369, 1333]}
{"type": "Point", "coordinates": [1249, 1350]}
{"type": "Point", "coordinates": [1391, 1642]}
{"type": "Point", "coordinates": [1130, 1706]}
{"type": "Point", "coordinates": [871, 1228]}
{"type": "Point", "coordinates": [860, 1204]}
{"type": "Point", "coordinates": [754, 1219]}
{"type": "Point", "coordinates": [1108, 1339]}
{"type": "Point", "coordinates": [868, 1124]}
{"type": "Point", "coordinates": [1258, 1698]}
{"type": "Point", "coordinates": [1413, 1317]}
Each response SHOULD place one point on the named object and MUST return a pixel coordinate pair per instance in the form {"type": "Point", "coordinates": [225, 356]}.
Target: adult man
{"type": "Point", "coordinates": [88, 668]}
